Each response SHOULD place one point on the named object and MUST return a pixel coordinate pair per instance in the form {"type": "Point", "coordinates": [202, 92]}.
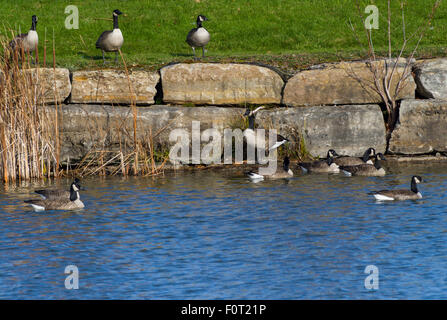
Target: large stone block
{"type": "Point", "coordinates": [431, 78]}
{"type": "Point", "coordinates": [342, 83]}
{"type": "Point", "coordinates": [53, 85]}
{"type": "Point", "coordinates": [112, 86]}
{"type": "Point", "coordinates": [212, 83]}
{"type": "Point", "coordinates": [348, 129]}
{"type": "Point", "coordinates": [422, 127]}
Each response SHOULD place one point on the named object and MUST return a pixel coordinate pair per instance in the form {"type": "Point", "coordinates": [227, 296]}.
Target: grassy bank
{"type": "Point", "coordinates": [287, 33]}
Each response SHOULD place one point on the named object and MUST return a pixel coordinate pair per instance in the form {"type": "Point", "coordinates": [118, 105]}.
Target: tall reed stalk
{"type": "Point", "coordinates": [27, 128]}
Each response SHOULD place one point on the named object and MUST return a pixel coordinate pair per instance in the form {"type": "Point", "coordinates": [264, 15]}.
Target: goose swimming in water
{"type": "Point", "coordinates": [284, 172]}
{"type": "Point", "coordinates": [401, 194]}
{"type": "Point", "coordinates": [372, 170]}
{"type": "Point", "coordinates": [59, 203]}
{"type": "Point", "coordinates": [353, 161]}
{"type": "Point", "coordinates": [320, 166]}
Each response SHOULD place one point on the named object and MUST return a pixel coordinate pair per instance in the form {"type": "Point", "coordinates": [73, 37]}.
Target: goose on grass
{"type": "Point", "coordinates": [198, 37]}
{"type": "Point", "coordinates": [111, 40]}
{"type": "Point", "coordinates": [26, 41]}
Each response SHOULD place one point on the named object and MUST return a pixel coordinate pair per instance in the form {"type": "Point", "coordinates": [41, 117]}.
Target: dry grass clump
{"type": "Point", "coordinates": [29, 134]}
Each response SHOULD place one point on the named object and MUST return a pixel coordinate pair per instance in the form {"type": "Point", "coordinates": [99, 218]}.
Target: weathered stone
{"type": "Point", "coordinates": [112, 86]}
{"type": "Point", "coordinates": [342, 83]}
{"type": "Point", "coordinates": [89, 127]}
{"type": "Point", "coordinates": [422, 127]}
{"type": "Point", "coordinates": [53, 85]}
{"type": "Point", "coordinates": [431, 78]}
{"type": "Point", "coordinates": [212, 83]}
{"type": "Point", "coordinates": [348, 130]}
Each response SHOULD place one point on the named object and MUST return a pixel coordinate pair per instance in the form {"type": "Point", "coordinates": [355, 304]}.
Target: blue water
{"type": "Point", "coordinates": [215, 235]}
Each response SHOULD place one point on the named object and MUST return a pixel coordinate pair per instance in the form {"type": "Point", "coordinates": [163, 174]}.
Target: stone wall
{"type": "Point", "coordinates": [326, 105]}
{"type": "Point", "coordinates": [349, 129]}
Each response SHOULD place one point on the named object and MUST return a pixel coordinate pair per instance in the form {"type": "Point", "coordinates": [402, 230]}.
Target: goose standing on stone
{"type": "Point", "coordinates": [27, 41]}
{"type": "Point", "coordinates": [198, 37]}
{"type": "Point", "coordinates": [284, 172]}
{"type": "Point", "coordinates": [401, 194]}
{"type": "Point", "coordinates": [111, 40]}
{"type": "Point", "coordinates": [372, 170]}
{"type": "Point", "coordinates": [353, 161]}
{"type": "Point", "coordinates": [59, 203]}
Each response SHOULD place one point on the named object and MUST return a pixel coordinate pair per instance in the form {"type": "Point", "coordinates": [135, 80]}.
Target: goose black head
{"type": "Point", "coordinates": [370, 152]}
{"type": "Point", "coordinates": [247, 112]}
{"type": "Point", "coordinates": [380, 156]}
{"type": "Point", "coordinates": [414, 182]}
{"type": "Point", "coordinates": [201, 18]}
{"type": "Point", "coordinates": [416, 179]}
{"type": "Point", "coordinates": [331, 153]}
{"type": "Point", "coordinates": [116, 12]}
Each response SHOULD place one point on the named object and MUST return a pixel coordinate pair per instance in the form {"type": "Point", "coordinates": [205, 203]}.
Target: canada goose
{"type": "Point", "coordinates": [198, 37]}
{"type": "Point", "coordinates": [57, 193]}
{"type": "Point", "coordinates": [284, 172]}
{"type": "Point", "coordinates": [73, 202]}
{"type": "Point", "coordinates": [353, 161]}
{"type": "Point", "coordinates": [373, 170]}
{"type": "Point", "coordinates": [280, 140]}
{"type": "Point", "coordinates": [249, 133]}
{"type": "Point", "coordinates": [401, 194]}
{"type": "Point", "coordinates": [27, 41]}
{"type": "Point", "coordinates": [111, 40]}
{"type": "Point", "coordinates": [320, 166]}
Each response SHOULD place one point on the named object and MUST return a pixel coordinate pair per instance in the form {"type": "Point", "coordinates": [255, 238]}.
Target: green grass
{"type": "Point", "coordinates": [285, 33]}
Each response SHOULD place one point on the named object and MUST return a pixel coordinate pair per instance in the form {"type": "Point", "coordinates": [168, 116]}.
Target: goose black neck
{"type": "Point", "coordinates": [33, 25]}
{"type": "Point", "coordinates": [414, 186]}
{"type": "Point", "coordinates": [199, 23]}
{"type": "Point", "coordinates": [329, 160]}
{"type": "Point", "coordinates": [251, 122]}
{"type": "Point", "coordinates": [377, 164]}
{"type": "Point", "coordinates": [286, 164]}
{"type": "Point", "coordinates": [73, 194]}
{"type": "Point", "coordinates": [115, 22]}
